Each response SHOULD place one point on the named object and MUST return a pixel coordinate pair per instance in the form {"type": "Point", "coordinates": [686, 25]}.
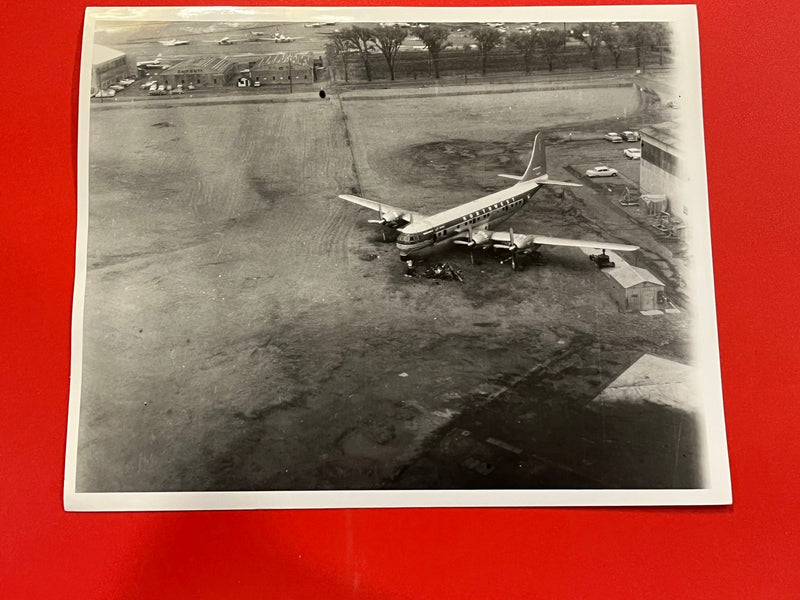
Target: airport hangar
{"type": "Point", "coordinates": [109, 66]}
{"type": "Point", "coordinates": [276, 69]}
{"type": "Point", "coordinates": [661, 169]}
{"type": "Point", "coordinates": [207, 71]}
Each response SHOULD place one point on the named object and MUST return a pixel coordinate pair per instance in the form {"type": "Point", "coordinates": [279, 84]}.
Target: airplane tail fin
{"type": "Point", "coordinates": [537, 167]}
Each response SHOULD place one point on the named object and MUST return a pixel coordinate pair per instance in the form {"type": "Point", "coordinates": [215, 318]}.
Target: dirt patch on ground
{"type": "Point", "coordinates": [457, 161]}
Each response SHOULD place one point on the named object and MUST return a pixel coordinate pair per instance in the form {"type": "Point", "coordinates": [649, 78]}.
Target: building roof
{"type": "Point", "coordinates": [667, 133]}
{"type": "Point", "coordinates": [655, 380]}
{"type": "Point", "coordinates": [628, 276]}
{"type": "Point", "coordinates": [207, 63]}
{"type": "Point", "coordinates": [284, 58]}
{"type": "Point", "coordinates": [103, 54]}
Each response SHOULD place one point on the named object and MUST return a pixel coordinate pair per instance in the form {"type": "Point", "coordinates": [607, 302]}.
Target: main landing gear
{"type": "Point", "coordinates": [601, 260]}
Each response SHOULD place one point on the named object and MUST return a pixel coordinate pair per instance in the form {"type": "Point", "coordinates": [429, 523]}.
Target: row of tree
{"type": "Point", "coordinates": [640, 36]}
{"type": "Point", "coordinates": [550, 43]}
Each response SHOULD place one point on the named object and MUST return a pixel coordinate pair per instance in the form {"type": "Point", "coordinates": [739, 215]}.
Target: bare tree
{"type": "Point", "coordinates": [435, 39]}
{"type": "Point", "coordinates": [591, 36]}
{"type": "Point", "coordinates": [487, 38]}
{"type": "Point", "coordinates": [524, 42]}
{"type": "Point", "coordinates": [340, 47]}
{"type": "Point", "coordinates": [640, 36]}
{"type": "Point", "coordinates": [552, 43]}
{"type": "Point", "coordinates": [388, 39]}
{"type": "Point", "coordinates": [360, 38]}
{"type": "Point", "coordinates": [661, 39]}
{"type": "Point", "coordinates": [613, 43]}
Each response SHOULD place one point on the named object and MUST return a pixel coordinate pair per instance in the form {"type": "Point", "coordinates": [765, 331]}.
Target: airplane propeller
{"type": "Point", "coordinates": [478, 239]}
{"type": "Point", "coordinates": [393, 220]}
{"type": "Point", "coordinates": [515, 245]}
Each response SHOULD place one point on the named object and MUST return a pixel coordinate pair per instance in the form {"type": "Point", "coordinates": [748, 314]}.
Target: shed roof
{"type": "Point", "coordinates": [103, 54]}
{"type": "Point", "coordinates": [628, 276]}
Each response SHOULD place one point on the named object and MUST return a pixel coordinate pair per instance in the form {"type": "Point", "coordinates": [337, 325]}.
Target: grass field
{"type": "Point", "coordinates": [246, 329]}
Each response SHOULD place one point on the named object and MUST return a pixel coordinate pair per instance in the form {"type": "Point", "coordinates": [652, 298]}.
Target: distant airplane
{"type": "Point", "coordinates": [173, 42]}
{"type": "Point", "coordinates": [469, 224]}
{"type": "Point", "coordinates": [151, 64]}
{"type": "Point", "coordinates": [279, 38]}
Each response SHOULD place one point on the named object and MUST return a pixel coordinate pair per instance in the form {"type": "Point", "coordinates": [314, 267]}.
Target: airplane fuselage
{"type": "Point", "coordinates": [439, 231]}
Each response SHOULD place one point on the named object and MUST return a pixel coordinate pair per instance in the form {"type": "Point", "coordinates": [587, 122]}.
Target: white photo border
{"type": "Point", "coordinates": [717, 489]}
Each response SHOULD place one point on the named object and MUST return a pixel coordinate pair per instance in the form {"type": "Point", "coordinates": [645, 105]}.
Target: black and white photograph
{"type": "Point", "coordinates": [339, 257]}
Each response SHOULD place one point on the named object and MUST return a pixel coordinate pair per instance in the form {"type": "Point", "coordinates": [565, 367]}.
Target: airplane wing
{"type": "Point", "coordinates": [522, 240]}
{"type": "Point", "coordinates": [542, 181]}
{"type": "Point", "coordinates": [382, 208]}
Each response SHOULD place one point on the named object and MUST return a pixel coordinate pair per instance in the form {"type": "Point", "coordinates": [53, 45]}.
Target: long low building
{"type": "Point", "coordinates": [276, 69]}
{"type": "Point", "coordinates": [205, 71]}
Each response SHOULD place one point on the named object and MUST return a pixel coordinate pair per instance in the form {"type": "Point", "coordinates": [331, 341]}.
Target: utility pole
{"type": "Point", "coordinates": [465, 63]}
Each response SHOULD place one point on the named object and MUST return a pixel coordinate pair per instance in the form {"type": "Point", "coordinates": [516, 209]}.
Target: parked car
{"type": "Point", "coordinates": [178, 91]}
{"type": "Point", "coordinates": [613, 137]}
{"type": "Point", "coordinates": [631, 136]}
{"type": "Point", "coordinates": [601, 172]}
{"type": "Point", "coordinates": [127, 81]}
{"type": "Point", "coordinates": [109, 93]}
{"type": "Point", "coordinates": [633, 153]}
{"type": "Point", "coordinates": [117, 87]}
{"type": "Point", "coordinates": [157, 92]}
{"type": "Point", "coordinates": [149, 84]}
{"type": "Point", "coordinates": [190, 86]}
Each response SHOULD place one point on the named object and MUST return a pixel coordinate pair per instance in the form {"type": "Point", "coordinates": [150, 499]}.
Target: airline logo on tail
{"type": "Point", "coordinates": [538, 164]}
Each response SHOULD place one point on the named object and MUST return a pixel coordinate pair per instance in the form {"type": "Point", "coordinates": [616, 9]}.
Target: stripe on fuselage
{"type": "Point", "coordinates": [482, 213]}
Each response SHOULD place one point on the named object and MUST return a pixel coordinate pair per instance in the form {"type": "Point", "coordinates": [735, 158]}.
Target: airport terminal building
{"type": "Point", "coordinates": [205, 71]}
{"type": "Point", "coordinates": [109, 66]}
{"type": "Point", "coordinates": [276, 69]}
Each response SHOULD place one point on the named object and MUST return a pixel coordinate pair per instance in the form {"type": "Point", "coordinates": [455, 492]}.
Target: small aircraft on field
{"type": "Point", "coordinates": [279, 38]}
{"type": "Point", "coordinates": [470, 224]}
{"type": "Point", "coordinates": [151, 64]}
{"type": "Point", "coordinates": [174, 42]}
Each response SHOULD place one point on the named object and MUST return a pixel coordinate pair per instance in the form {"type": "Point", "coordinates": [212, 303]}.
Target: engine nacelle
{"type": "Point", "coordinates": [393, 219]}
{"type": "Point", "coordinates": [523, 241]}
{"type": "Point", "coordinates": [481, 237]}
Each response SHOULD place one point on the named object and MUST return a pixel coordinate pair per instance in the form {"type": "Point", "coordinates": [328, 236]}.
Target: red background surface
{"type": "Point", "coordinates": [750, 87]}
